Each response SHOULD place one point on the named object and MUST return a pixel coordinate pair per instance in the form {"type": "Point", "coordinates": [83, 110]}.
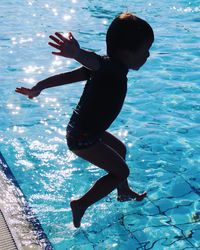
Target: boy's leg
{"type": "Point", "coordinates": [123, 190]}
{"type": "Point", "coordinates": [106, 158]}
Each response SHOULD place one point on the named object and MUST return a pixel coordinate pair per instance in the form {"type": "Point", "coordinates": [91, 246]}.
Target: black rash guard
{"type": "Point", "coordinates": [102, 97]}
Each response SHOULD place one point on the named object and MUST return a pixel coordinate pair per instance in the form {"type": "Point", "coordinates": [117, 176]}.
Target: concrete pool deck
{"type": "Point", "coordinates": [19, 228]}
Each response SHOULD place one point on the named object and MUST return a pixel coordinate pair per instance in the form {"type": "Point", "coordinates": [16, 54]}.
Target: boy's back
{"type": "Point", "coordinates": [102, 98]}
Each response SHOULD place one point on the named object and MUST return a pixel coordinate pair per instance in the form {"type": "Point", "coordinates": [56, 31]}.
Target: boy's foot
{"type": "Point", "coordinates": [130, 195]}
{"type": "Point", "coordinates": [77, 212]}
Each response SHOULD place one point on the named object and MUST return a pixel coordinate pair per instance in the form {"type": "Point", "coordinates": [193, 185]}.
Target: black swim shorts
{"type": "Point", "coordinates": [78, 140]}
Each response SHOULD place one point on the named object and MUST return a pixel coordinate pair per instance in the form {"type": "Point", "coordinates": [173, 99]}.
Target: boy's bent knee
{"type": "Point", "coordinates": [126, 173]}
{"type": "Point", "coordinates": [122, 149]}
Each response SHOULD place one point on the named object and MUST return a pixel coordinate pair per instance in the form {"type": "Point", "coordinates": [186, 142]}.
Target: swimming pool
{"type": "Point", "coordinates": [159, 123]}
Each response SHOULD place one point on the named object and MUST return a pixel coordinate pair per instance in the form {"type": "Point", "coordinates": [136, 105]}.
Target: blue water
{"type": "Point", "coordinates": [159, 123]}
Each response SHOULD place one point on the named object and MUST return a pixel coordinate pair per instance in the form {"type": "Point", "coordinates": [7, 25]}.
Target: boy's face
{"type": "Point", "coordinates": [135, 60]}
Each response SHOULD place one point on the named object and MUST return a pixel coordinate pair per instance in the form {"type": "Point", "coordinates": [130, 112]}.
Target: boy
{"type": "Point", "coordinates": [128, 39]}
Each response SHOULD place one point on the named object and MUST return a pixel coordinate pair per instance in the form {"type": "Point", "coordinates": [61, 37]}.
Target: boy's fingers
{"type": "Point", "coordinates": [57, 53]}
{"type": "Point", "coordinates": [17, 89]}
{"type": "Point", "coordinates": [55, 39]}
{"type": "Point", "coordinates": [22, 88]}
{"type": "Point", "coordinates": [60, 36]}
{"type": "Point", "coordinates": [54, 45]}
{"type": "Point", "coordinates": [24, 92]}
{"type": "Point", "coordinates": [21, 92]}
{"type": "Point", "coordinates": [70, 35]}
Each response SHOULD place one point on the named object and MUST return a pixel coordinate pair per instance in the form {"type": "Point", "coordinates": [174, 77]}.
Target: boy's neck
{"type": "Point", "coordinates": [120, 63]}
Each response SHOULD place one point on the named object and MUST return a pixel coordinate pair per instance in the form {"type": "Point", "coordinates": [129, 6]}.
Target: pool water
{"type": "Point", "coordinates": [159, 124]}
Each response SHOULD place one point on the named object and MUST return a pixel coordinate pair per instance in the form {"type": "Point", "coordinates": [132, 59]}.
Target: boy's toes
{"type": "Point", "coordinates": [123, 198]}
{"type": "Point", "coordinates": [131, 196]}
{"type": "Point", "coordinates": [141, 196]}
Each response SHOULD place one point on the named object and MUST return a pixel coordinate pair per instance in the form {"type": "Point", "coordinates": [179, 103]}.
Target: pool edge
{"type": "Point", "coordinates": [28, 234]}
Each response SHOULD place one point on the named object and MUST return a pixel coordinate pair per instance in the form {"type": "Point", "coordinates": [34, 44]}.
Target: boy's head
{"type": "Point", "coordinates": [128, 34]}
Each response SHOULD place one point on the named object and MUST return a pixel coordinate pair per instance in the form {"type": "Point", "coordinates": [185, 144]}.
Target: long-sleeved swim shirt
{"type": "Point", "coordinates": [102, 98]}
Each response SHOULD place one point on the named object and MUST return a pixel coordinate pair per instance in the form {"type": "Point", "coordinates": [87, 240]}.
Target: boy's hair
{"type": "Point", "coordinates": [127, 31]}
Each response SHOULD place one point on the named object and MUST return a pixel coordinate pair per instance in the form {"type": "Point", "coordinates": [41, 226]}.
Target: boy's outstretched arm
{"type": "Point", "coordinates": [76, 75]}
{"type": "Point", "coordinates": [70, 48]}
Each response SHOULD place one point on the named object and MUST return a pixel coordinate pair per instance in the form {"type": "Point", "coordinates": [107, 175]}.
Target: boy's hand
{"type": "Point", "coordinates": [69, 47]}
{"type": "Point", "coordinates": [31, 93]}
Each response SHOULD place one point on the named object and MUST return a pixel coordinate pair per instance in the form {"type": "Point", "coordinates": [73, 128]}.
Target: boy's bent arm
{"type": "Point", "coordinates": [89, 59]}
{"type": "Point", "coordinates": [69, 47]}
{"type": "Point", "coordinates": [76, 75]}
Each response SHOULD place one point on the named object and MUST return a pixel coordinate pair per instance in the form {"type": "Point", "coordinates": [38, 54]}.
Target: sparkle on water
{"type": "Point", "coordinates": [159, 124]}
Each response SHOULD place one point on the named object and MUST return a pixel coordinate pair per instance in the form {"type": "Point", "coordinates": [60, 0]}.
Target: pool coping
{"type": "Point", "coordinates": [24, 227]}
{"type": "Point", "coordinates": [7, 241]}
